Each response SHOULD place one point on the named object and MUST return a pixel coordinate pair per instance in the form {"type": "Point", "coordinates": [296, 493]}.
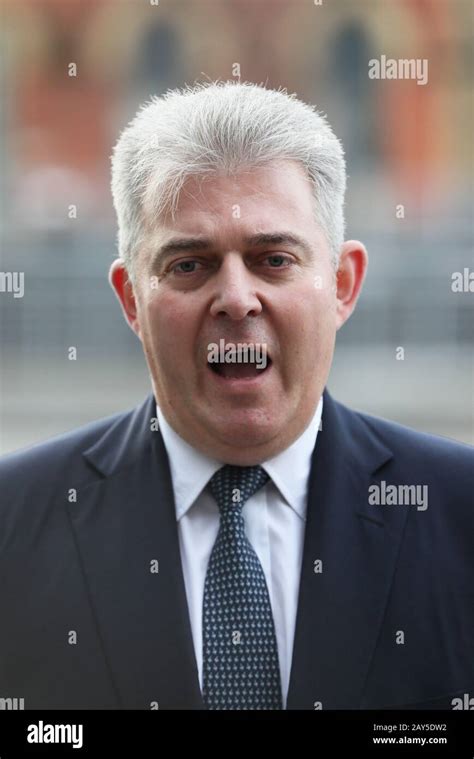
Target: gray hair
{"type": "Point", "coordinates": [216, 127]}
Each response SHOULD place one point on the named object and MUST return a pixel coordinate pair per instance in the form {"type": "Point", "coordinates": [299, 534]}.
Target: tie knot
{"type": "Point", "coordinates": [231, 485]}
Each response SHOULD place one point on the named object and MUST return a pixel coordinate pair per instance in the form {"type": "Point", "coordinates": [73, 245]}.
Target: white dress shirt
{"type": "Point", "coordinates": [274, 517]}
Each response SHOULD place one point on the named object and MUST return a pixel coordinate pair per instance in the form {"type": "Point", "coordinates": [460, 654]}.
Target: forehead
{"type": "Point", "coordinates": [277, 193]}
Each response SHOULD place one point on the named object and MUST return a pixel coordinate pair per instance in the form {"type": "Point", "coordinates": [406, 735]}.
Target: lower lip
{"type": "Point", "coordinates": [244, 383]}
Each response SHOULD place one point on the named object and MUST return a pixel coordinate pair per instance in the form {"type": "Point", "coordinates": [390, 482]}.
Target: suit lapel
{"type": "Point", "coordinates": [341, 608]}
{"type": "Point", "coordinates": [125, 526]}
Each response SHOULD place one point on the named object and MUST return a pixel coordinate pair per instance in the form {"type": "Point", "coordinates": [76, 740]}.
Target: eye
{"type": "Point", "coordinates": [278, 261]}
{"type": "Point", "coordinates": [188, 267]}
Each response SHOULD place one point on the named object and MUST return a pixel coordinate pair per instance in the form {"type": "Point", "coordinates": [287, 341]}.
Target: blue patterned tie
{"type": "Point", "coordinates": [240, 654]}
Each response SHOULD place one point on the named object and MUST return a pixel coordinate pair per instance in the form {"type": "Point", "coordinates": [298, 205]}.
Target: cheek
{"type": "Point", "coordinates": [309, 310]}
{"type": "Point", "coordinates": [308, 326]}
{"type": "Point", "coordinates": [169, 327]}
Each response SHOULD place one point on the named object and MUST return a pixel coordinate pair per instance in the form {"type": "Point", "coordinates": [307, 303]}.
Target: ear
{"type": "Point", "coordinates": [353, 262]}
{"type": "Point", "coordinates": [123, 288]}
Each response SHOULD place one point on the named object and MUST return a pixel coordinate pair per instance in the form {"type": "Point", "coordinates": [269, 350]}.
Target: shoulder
{"type": "Point", "coordinates": [409, 442]}
{"type": "Point", "coordinates": [54, 456]}
{"type": "Point", "coordinates": [430, 468]}
{"type": "Point", "coordinates": [446, 465]}
{"type": "Point", "coordinates": [410, 450]}
{"type": "Point", "coordinates": [36, 482]}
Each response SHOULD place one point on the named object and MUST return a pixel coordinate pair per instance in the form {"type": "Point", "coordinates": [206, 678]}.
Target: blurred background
{"type": "Point", "coordinates": [407, 145]}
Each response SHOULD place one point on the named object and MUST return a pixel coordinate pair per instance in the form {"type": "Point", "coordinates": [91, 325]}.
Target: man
{"type": "Point", "coordinates": [240, 540]}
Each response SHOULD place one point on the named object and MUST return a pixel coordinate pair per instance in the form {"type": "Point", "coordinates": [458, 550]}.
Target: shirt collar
{"type": "Point", "coordinates": [191, 470]}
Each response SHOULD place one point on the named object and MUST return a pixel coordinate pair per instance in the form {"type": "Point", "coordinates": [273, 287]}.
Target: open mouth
{"type": "Point", "coordinates": [235, 370]}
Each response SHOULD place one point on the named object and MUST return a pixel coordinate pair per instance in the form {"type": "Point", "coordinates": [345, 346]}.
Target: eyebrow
{"type": "Point", "coordinates": [180, 244]}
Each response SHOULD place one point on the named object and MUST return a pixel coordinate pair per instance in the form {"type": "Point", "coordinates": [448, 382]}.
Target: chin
{"type": "Point", "coordinates": [248, 430]}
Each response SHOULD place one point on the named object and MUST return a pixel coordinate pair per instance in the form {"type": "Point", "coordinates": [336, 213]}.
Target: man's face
{"type": "Point", "coordinates": [229, 282]}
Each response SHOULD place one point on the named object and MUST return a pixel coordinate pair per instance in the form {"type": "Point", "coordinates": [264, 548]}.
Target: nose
{"type": "Point", "coordinates": [235, 290]}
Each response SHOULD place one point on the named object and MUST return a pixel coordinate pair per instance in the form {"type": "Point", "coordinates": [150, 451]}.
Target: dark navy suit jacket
{"type": "Point", "coordinates": [81, 564]}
